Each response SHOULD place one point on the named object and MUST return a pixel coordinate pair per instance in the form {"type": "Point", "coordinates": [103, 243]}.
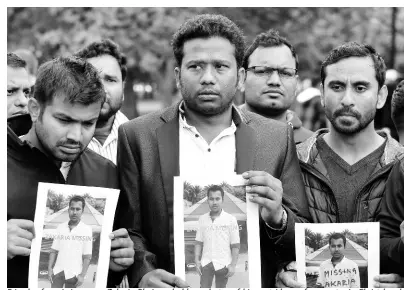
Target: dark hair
{"type": "Point", "coordinates": [207, 26]}
{"type": "Point", "coordinates": [397, 105]}
{"type": "Point", "coordinates": [271, 38]}
{"type": "Point", "coordinates": [336, 236]}
{"type": "Point", "coordinates": [77, 198]}
{"type": "Point", "coordinates": [103, 47]}
{"type": "Point", "coordinates": [13, 60]}
{"type": "Point", "coordinates": [354, 49]}
{"type": "Point", "coordinates": [214, 188]}
{"type": "Point", "coordinates": [29, 58]}
{"type": "Point", "coordinates": [74, 77]}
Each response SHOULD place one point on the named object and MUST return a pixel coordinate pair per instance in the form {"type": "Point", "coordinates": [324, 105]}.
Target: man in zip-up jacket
{"type": "Point", "coordinates": [49, 145]}
{"type": "Point", "coordinates": [345, 168]}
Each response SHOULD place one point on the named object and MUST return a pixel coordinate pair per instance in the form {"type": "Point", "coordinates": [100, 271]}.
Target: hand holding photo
{"type": "Point", "coordinates": [73, 227]}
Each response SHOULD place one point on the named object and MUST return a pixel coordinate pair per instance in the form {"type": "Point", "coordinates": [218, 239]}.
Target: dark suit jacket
{"type": "Point", "coordinates": [148, 160]}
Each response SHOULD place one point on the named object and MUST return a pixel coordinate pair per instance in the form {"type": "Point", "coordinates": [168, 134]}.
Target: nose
{"type": "Point", "coordinates": [21, 100]}
{"type": "Point", "coordinates": [207, 76]}
{"type": "Point", "coordinates": [274, 79]}
{"type": "Point", "coordinates": [74, 132]}
{"type": "Point", "coordinates": [347, 100]}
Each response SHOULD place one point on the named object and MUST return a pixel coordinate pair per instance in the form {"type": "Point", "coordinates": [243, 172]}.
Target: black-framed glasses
{"type": "Point", "coordinates": [267, 71]}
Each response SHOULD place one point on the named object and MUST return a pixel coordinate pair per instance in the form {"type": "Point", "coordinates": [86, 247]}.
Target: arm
{"type": "Point", "coordinates": [81, 276]}
{"type": "Point", "coordinates": [235, 246]}
{"type": "Point", "coordinates": [355, 278]}
{"type": "Point", "coordinates": [198, 251]}
{"type": "Point", "coordinates": [51, 260]}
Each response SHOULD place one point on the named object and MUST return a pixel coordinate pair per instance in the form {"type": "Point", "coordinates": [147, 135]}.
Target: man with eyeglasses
{"type": "Point", "coordinates": [271, 81]}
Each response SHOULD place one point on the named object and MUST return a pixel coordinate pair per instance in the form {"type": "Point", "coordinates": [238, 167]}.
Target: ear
{"type": "Point", "coordinates": [177, 73]}
{"type": "Point", "coordinates": [241, 79]}
{"type": "Point", "coordinates": [34, 109]}
{"type": "Point", "coordinates": [322, 95]}
{"type": "Point", "coordinates": [381, 97]}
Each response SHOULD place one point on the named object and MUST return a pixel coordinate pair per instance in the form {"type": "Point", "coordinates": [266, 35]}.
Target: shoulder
{"type": "Point", "coordinates": [98, 160]}
{"type": "Point", "coordinates": [255, 120]}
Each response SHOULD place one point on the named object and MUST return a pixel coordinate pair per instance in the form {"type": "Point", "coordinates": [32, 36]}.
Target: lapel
{"type": "Point", "coordinates": [168, 148]}
{"type": "Point", "coordinates": [245, 142]}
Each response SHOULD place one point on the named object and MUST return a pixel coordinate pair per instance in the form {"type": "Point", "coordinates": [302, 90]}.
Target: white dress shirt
{"type": "Point", "coordinates": [217, 237]}
{"type": "Point", "coordinates": [198, 158]}
{"type": "Point", "coordinates": [109, 148]}
{"type": "Point", "coordinates": [342, 275]}
{"type": "Point", "coordinates": [71, 246]}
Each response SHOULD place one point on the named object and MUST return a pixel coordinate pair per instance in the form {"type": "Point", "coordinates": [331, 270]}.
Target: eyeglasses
{"type": "Point", "coordinates": [266, 71]}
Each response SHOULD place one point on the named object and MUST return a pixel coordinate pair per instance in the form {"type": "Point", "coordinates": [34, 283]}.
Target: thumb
{"type": "Point", "coordinates": [179, 283]}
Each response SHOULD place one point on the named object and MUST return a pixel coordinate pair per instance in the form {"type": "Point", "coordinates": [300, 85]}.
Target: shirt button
{"type": "Point", "coordinates": [196, 135]}
{"type": "Point", "coordinates": [209, 149]}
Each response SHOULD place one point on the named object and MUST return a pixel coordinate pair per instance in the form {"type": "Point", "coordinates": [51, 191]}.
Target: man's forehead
{"type": "Point", "coordinates": [278, 55]}
{"type": "Point", "coordinates": [204, 47]}
{"type": "Point", "coordinates": [352, 67]}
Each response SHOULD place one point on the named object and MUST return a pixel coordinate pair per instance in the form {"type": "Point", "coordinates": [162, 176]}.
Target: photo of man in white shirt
{"type": "Point", "coordinates": [71, 250]}
{"type": "Point", "coordinates": [217, 239]}
{"type": "Point", "coordinates": [338, 271]}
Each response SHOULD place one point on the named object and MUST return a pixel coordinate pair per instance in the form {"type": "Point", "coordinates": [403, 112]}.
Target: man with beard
{"type": "Point", "coordinates": [345, 168]}
{"type": "Point", "coordinates": [68, 96]}
{"type": "Point", "coordinates": [204, 135]}
{"type": "Point", "coordinates": [71, 251]}
{"type": "Point", "coordinates": [271, 81]}
{"type": "Point", "coordinates": [106, 57]}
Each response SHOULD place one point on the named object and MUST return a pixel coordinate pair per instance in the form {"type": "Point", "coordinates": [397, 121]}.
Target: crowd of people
{"type": "Point", "coordinates": [68, 129]}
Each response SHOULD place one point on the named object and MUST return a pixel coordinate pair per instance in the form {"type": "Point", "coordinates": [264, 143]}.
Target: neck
{"type": "Point", "coordinates": [209, 126]}
{"type": "Point", "coordinates": [73, 224]}
{"type": "Point", "coordinates": [353, 148]}
{"type": "Point", "coordinates": [281, 117]}
{"type": "Point", "coordinates": [215, 214]}
{"type": "Point", "coordinates": [337, 260]}
{"type": "Point", "coordinates": [103, 129]}
{"type": "Point", "coordinates": [32, 138]}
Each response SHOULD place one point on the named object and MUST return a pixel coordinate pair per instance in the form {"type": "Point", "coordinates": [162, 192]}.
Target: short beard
{"type": "Point", "coordinates": [363, 123]}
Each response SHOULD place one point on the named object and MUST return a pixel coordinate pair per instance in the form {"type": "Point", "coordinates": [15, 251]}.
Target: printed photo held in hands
{"type": "Point", "coordinates": [344, 255]}
{"type": "Point", "coordinates": [72, 244]}
{"type": "Point", "coordinates": [216, 233]}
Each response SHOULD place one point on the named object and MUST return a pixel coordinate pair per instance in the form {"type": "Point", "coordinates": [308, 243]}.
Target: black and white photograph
{"type": "Point", "coordinates": [71, 248]}
{"type": "Point", "coordinates": [337, 255]}
{"type": "Point", "coordinates": [216, 235]}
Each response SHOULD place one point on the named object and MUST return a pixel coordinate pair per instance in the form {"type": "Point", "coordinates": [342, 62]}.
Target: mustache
{"type": "Point", "coordinates": [347, 111]}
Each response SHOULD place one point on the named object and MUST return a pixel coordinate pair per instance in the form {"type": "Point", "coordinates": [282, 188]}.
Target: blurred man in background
{"type": "Point", "coordinates": [271, 81]}
{"type": "Point", "coordinates": [18, 86]}
{"type": "Point", "coordinates": [397, 110]}
{"type": "Point", "coordinates": [31, 65]}
{"type": "Point", "coordinates": [106, 57]}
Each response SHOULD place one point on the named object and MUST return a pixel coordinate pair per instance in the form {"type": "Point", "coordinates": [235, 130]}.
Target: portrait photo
{"type": "Point", "coordinates": [215, 239]}
{"type": "Point", "coordinates": [69, 251]}
{"type": "Point", "coordinates": [343, 255]}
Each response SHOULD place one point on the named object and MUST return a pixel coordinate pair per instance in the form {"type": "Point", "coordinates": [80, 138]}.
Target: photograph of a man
{"type": "Point", "coordinates": [338, 271]}
{"type": "Point", "coordinates": [71, 250]}
{"type": "Point", "coordinates": [217, 239]}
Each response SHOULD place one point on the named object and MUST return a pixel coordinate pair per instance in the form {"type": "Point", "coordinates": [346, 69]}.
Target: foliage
{"type": "Point", "coordinates": [144, 34]}
{"type": "Point", "coordinates": [57, 201]}
{"type": "Point", "coordinates": [314, 240]}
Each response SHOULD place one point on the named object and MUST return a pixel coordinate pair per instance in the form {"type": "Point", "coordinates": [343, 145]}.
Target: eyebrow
{"type": "Point", "coordinates": [61, 115]}
{"type": "Point", "coordinates": [336, 83]}
{"type": "Point", "coordinates": [213, 61]}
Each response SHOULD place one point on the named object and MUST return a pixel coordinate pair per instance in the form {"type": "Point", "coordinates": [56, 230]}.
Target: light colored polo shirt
{"type": "Point", "coordinates": [197, 157]}
{"type": "Point", "coordinates": [343, 275]}
{"type": "Point", "coordinates": [217, 237]}
{"type": "Point", "coordinates": [71, 246]}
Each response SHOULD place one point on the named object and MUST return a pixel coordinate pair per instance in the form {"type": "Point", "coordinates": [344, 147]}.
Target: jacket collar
{"type": "Point", "coordinates": [307, 151]}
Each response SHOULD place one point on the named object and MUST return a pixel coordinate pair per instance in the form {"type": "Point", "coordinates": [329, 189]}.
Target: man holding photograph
{"type": "Point", "coordinates": [71, 250]}
{"type": "Point", "coordinates": [338, 271]}
{"type": "Point", "coordinates": [205, 134]}
{"type": "Point", "coordinates": [345, 168]}
{"type": "Point", "coordinates": [68, 96]}
{"type": "Point", "coordinates": [218, 241]}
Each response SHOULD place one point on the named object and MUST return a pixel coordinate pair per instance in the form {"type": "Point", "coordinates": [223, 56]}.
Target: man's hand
{"type": "Point", "coordinates": [80, 281]}
{"type": "Point", "coordinates": [402, 231]}
{"type": "Point", "coordinates": [50, 275]}
{"type": "Point", "coordinates": [265, 190]}
{"type": "Point", "coordinates": [20, 233]}
{"type": "Point", "coordinates": [231, 271]}
{"type": "Point", "coordinates": [389, 281]}
{"type": "Point", "coordinates": [122, 250]}
{"type": "Point", "coordinates": [288, 279]}
{"type": "Point", "coordinates": [161, 279]}
{"type": "Point", "coordinates": [198, 268]}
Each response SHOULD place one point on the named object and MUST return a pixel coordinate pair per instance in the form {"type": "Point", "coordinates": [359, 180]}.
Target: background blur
{"type": "Point", "coordinates": [144, 35]}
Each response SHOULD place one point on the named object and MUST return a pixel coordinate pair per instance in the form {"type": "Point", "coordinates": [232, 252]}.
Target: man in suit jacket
{"type": "Point", "coordinates": [206, 134]}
